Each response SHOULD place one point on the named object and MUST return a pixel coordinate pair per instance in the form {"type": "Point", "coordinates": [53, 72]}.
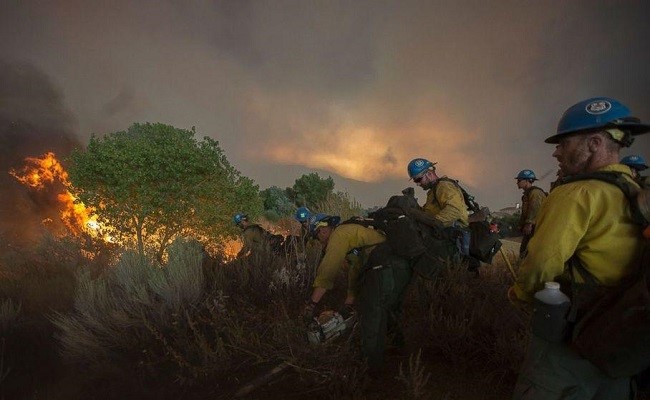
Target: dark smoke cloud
{"type": "Point", "coordinates": [349, 89]}
{"type": "Point", "coordinates": [33, 120]}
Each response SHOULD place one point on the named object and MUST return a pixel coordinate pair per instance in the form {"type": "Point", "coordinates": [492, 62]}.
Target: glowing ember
{"type": "Point", "coordinates": [231, 249]}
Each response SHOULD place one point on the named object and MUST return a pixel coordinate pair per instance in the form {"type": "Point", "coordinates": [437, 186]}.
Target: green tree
{"type": "Point", "coordinates": [276, 203]}
{"type": "Point", "coordinates": [154, 183]}
{"type": "Point", "coordinates": [310, 189]}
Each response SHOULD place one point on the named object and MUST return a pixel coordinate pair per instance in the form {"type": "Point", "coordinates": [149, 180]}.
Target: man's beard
{"type": "Point", "coordinates": [577, 162]}
{"type": "Point", "coordinates": [427, 186]}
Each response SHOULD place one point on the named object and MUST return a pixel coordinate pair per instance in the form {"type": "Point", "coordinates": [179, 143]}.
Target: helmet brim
{"type": "Point", "coordinates": [634, 129]}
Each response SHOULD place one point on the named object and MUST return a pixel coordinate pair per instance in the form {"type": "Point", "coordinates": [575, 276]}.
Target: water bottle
{"type": "Point", "coordinates": [550, 310]}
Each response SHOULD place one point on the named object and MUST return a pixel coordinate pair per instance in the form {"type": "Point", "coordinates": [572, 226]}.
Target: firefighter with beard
{"type": "Point", "coordinates": [377, 281]}
{"type": "Point", "coordinates": [588, 222]}
{"type": "Point", "coordinates": [446, 204]}
{"type": "Point", "coordinates": [531, 201]}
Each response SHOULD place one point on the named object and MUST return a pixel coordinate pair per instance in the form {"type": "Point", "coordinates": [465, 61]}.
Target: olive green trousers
{"type": "Point", "coordinates": [554, 371]}
{"type": "Point", "coordinates": [381, 294]}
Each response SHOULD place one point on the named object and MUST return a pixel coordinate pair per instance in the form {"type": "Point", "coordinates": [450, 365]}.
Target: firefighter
{"type": "Point", "coordinates": [302, 216]}
{"type": "Point", "coordinates": [377, 281]}
{"type": "Point", "coordinates": [588, 222]}
{"type": "Point", "coordinates": [531, 201]}
{"type": "Point", "coordinates": [637, 164]}
{"type": "Point", "coordinates": [302, 242]}
{"type": "Point", "coordinates": [255, 238]}
{"type": "Point", "coordinates": [445, 203]}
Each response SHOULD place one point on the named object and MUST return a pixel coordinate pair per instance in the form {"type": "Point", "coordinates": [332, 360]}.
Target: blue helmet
{"type": "Point", "coordinates": [526, 174]}
{"type": "Point", "coordinates": [417, 166]}
{"type": "Point", "coordinates": [319, 220]}
{"type": "Point", "coordinates": [303, 214]}
{"type": "Point", "coordinates": [595, 113]}
{"type": "Point", "coordinates": [239, 217]}
{"type": "Point", "coordinates": [636, 162]}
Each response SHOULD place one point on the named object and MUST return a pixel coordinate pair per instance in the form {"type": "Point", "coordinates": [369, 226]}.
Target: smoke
{"type": "Point", "coordinates": [349, 89]}
{"type": "Point", "coordinates": [33, 120]}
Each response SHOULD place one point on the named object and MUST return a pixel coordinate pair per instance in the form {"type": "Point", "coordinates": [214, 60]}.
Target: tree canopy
{"type": "Point", "coordinates": [155, 182]}
{"type": "Point", "coordinates": [310, 189]}
{"type": "Point", "coordinates": [276, 203]}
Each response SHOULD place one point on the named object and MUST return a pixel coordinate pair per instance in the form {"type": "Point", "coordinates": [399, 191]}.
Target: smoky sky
{"type": "Point", "coordinates": [351, 89]}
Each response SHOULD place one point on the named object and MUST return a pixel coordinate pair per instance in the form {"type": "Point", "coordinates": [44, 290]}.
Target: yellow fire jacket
{"type": "Point", "coordinates": [590, 218]}
{"type": "Point", "coordinates": [344, 239]}
{"type": "Point", "coordinates": [531, 201]}
{"type": "Point", "coordinates": [446, 204]}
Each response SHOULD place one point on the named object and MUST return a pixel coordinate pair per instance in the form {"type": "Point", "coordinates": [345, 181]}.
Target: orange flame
{"type": "Point", "coordinates": [46, 171]}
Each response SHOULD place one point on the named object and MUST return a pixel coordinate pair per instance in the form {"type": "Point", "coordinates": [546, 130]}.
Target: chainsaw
{"type": "Point", "coordinates": [328, 326]}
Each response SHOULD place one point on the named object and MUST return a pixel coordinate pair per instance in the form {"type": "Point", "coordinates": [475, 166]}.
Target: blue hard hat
{"type": "Point", "coordinates": [594, 113]}
{"type": "Point", "coordinates": [636, 162]}
{"type": "Point", "coordinates": [303, 214]}
{"type": "Point", "coordinates": [239, 217]}
{"type": "Point", "coordinates": [319, 220]}
{"type": "Point", "coordinates": [417, 166]}
{"type": "Point", "coordinates": [526, 174]}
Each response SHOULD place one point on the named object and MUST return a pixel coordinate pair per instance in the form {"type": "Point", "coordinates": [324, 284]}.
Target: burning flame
{"type": "Point", "coordinates": [39, 173]}
{"type": "Point", "coordinates": [231, 249]}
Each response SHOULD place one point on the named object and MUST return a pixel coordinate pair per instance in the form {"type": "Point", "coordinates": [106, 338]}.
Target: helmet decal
{"type": "Point", "coordinates": [303, 214]}
{"type": "Point", "coordinates": [598, 107]}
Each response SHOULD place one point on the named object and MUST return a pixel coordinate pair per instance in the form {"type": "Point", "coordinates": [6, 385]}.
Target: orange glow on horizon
{"type": "Point", "coordinates": [369, 155]}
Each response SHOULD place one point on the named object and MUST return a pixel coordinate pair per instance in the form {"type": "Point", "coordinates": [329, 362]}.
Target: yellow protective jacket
{"type": "Point", "coordinates": [343, 240]}
{"type": "Point", "coordinates": [591, 219]}
{"type": "Point", "coordinates": [445, 203]}
{"type": "Point", "coordinates": [531, 202]}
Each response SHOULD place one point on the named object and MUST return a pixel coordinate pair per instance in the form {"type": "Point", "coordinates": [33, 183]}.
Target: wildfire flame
{"type": "Point", "coordinates": [41, 172]}
{"type": "Point", "coordinates": [46, 173]}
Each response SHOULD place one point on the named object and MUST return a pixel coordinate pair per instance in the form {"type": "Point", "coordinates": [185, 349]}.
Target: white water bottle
{"type": "Point", "coordinates": [550, 310]}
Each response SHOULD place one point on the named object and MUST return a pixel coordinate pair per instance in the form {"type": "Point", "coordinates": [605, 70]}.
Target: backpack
{"type": "Point", "coordinates": [404, 234]}
{"type": "Point", "coordinates": [614, 334]}
{"type": "Point", "coordinates": [275, 241]}
{"type": "Point", "coordinates": [484, 243]}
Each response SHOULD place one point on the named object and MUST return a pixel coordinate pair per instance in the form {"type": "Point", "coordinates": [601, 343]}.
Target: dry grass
{"type": "Point", "coordinates": [469, 322]}
{"type": "Point", "coordinates": [199, 328]}
{"type": "Point", "coordinates": [414, 377]}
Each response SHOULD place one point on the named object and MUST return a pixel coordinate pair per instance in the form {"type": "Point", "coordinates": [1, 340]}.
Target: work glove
{"type": "Point", "coordinates": [309, 311]}
{"type": "Point", "coordinates": [347, 310]}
